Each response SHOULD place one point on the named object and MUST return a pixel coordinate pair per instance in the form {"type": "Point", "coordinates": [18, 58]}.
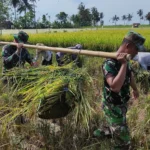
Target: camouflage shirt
{"type": "Point", "coordinates": [112, 66]}
{"type": "Point", "coordinates": [11, 59]}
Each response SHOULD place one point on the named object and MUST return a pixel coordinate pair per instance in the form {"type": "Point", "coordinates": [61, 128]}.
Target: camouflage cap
{"type": "Point", "coordinates": [137, 39]}
{"type": "Point", "coordinates": [21, 37]}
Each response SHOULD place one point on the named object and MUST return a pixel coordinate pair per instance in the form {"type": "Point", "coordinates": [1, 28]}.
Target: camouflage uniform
{"type": "Point", "coordinates": [11, 59]}
{"type": "Point", "coordinates": [115, 105]}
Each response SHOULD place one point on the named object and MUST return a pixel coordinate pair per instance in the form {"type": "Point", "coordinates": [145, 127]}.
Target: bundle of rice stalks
{"type": "Point", "coordinates": [52, 92]}
{"type": "Point", "coordinates": [142, 77]}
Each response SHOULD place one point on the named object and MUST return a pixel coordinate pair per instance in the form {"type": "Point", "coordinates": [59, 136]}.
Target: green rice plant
{"type": "Point", "coordinates": [138, 119]}
{"type": "Point", "coordinates": [100, 40]}
{"type": "Point", "coordinates": [142, 77]}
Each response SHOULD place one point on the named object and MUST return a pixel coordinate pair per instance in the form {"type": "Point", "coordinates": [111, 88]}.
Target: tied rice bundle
{"type": "Point", "coordinates": [51, 91]}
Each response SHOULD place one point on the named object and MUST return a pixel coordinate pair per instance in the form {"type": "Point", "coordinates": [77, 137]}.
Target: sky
{"type": "Point", "coordinates": [108, 7]}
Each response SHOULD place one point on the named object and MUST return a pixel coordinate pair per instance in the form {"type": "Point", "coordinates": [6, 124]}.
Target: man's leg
{"type": "Point", "coordinates": [116, 117]}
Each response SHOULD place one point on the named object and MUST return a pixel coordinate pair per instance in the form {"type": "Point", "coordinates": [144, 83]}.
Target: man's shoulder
{"type": "Point", "coordinates": [110, 67]}
{"type": "Point", "coordinates": [6, 47]}
{"type": "Point", "coordinates": [110, 62]}
{"type": "Point", "coordinates": [9, 48]}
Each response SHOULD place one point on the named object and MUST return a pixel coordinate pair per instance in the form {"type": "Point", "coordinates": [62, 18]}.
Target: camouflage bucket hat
{"type": "Point", "coordinates": [21, 37]}
{"type": "Point", "coordinates": [137, 39]}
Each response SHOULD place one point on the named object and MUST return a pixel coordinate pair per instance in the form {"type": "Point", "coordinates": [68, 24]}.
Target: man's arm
{"type": "Point", "coordinates": [116, 82]}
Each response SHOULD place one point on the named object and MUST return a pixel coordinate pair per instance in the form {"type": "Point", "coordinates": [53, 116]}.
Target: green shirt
{"type": "Point", "coordinates": [112, 67]}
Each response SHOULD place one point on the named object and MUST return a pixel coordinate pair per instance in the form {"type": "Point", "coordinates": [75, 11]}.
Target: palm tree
{"type": "Point", "coordinates": [4, 13]}
{"type": "Point", "coordinates": [115, 19]}
{"type": "Point", "coordinates": [62, 16]}
{"type": "Point", "coordinates": [140, 13]}
{"type": "Point", "coordinates": [15, 4]}
{"type": "Point", "coordinates": [148, 17]}
{"type": "Point", "coordinates": [95, 15]}
{"type": "Point", "coordinates": [101, 15]}
{"type": "Point", "coordinates": [84, 15]}
{"type": "Point", "coordinates": [129, 17]}
{"type": "Point", "coordinates": [34, 1]}
{"type": "Point", "coordinates": [23, 7]}
{"type": "Point", "coordinates": [76, 20]}
{"type": "Point", "coordinates": [124, 18]}
{"type": "Point", "coordinates": [34, 6]}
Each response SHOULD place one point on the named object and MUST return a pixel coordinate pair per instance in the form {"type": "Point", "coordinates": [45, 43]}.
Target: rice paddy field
{"type": "Point", "coordinates": [101, 40]}
{"type": "Point", "coordinates": [22, 129]}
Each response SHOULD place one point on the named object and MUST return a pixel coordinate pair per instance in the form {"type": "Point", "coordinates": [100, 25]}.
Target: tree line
{"type": "Point", "coordinates": [22, 14]}
{"type": "Point", "coordinates": [128, 17]}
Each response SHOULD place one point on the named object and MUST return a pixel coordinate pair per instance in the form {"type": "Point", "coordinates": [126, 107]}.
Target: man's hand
{"type": "Point", "coordinates": [121, 57]}
{"type": "Point", "coordinates": [135, 94]}
{"type": "Point", "coordinates": [19, 47]}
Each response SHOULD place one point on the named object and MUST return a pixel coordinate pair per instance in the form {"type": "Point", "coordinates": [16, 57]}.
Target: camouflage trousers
{"type": "Point", "coordinates": [116, 118]}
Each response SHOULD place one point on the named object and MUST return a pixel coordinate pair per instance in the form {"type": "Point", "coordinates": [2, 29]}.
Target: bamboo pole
{"type": "Point", "coordinates": [68, 50]}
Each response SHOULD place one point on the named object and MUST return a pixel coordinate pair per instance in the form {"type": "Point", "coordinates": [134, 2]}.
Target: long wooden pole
{"type": "Point", "coordinates": [68, 50]}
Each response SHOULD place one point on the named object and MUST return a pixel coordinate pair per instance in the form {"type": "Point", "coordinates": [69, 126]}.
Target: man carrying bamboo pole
{"type": "Point", "coordinates": [61, 59]}
{"type": "Point", "coordinates": [117, 79]}
{"type": "Point", "coordinates": [16, 56]}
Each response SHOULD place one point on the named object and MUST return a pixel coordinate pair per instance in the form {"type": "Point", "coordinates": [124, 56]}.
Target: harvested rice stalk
{"type": "Point", "coordinates": [45, 89]}
{"type": "Point", "coordinates": [142, 77]}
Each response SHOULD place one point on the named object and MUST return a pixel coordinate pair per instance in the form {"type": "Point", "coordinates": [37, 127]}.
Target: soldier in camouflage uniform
{"type": "Point", "coordinates": [118, 78]}
{"type": "Point", "coordinates": [16, 56]}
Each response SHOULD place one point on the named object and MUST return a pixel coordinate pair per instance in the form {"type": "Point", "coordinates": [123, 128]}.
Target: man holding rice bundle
{"type": "Point", "coordinates": [118, 78]}
{"type": "Point", "coordinates": [16, 56]}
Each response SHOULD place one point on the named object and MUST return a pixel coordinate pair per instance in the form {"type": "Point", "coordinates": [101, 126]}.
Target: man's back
{"type": "Point", "coordinates": [144, 59]}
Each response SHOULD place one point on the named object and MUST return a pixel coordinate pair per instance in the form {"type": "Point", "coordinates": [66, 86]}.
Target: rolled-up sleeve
{"type": "Point", "coordinates": [109, 69]}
